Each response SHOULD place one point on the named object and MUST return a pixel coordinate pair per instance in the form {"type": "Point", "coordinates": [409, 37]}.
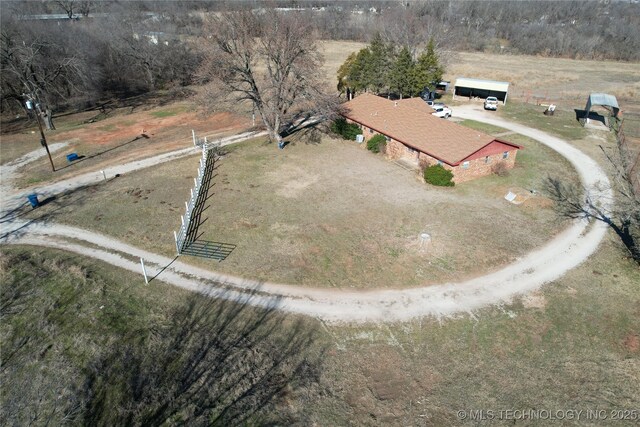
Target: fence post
{"type": "Point", "coordinates": [144, 271]}
{"type": "Point", "coordinates": [175, 236]}
{"type": "Point", "coordinates": [193, 135]}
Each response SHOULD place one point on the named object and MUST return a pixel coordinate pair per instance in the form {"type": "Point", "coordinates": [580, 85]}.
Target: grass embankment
{"type": "Point", "coordinates": [89, 344]}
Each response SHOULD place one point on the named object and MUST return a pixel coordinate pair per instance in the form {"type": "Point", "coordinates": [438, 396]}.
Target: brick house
{"type": "Point", "coordinates": [414, 135]}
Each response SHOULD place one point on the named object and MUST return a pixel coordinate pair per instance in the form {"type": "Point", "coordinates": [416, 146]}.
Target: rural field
{"type": "Point", "coordinates": [572, 345]}
{"type": "Point", "coordinates": [565, 82]}
{"type": "Point", "coordinates": [329, 214]}
{"type": "Point", "coordinates": [322, 213]}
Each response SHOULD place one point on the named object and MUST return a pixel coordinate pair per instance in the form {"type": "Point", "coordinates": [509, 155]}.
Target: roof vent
{"type": "Point", "coordinates": [395, 104]}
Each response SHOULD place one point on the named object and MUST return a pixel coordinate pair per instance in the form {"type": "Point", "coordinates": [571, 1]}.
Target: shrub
{"type": "Point", "coordinates": [346, 130]}
{"type": "Point", "coordinates": [437, 175]}
{"type": "Point", "coordinates": [500, 169]}
{"type": "Point", "coordinates": [376, 143]}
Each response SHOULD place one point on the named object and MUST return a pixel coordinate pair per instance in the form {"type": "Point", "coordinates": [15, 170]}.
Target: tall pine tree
{"type": "Point", "coordinates": [400, 78]}
{"type": "Point", "coordinates": [379, 66]}
{"type": "Point", "coordinates": [376, 68]}
{"type": "Point", "coordinates": [427, 71]}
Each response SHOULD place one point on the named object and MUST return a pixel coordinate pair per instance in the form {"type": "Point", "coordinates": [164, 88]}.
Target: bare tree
{"type": "Point", "coordinates": [67, 6]}
{"type": "Point", "coordinates": [270, 61]}
{"type": "Point", "coordinates": [36, 70]}
{"type": "Point", "coordinates": [623, 216]}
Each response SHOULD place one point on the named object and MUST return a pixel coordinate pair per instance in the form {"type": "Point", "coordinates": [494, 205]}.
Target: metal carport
{"type": "Point", "coordinates": [481, 88]}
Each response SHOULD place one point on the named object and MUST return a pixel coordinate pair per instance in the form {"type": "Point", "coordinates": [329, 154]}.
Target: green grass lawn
{"type": "Point", "coordinates": [482, 127]}
{"type": "Point", "coordinates": [168, 112]}
{"type": "Point", "coordinates": [562, 124]}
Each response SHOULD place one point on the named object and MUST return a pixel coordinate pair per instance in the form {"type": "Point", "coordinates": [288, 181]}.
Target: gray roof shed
{"type": "Point", "coordinates": [604, 100]}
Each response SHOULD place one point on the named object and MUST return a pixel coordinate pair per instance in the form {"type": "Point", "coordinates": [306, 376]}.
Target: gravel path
{"type": "Point", "coordinates": [567, 250]}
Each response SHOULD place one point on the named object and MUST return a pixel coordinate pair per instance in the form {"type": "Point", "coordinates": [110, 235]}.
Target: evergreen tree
{"type": "Point", "coordinates": [353, 74]}
{"type": "Point", "coordinates": [360, 74]}
{"type": "Point", "coordinates": [427, 70]}
{"type": "Point", "coordinates": [401, 76]}
{"type": "Point", "coordinates": [379, 64]}
{"type": "Point", "coordinates": [345, 77]}
{"type": "Point", "coordinates": [377, 69]}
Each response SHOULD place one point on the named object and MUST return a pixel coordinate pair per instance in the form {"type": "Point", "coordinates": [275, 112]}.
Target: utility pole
{"type": "Point", "coordinates": [43, 139]}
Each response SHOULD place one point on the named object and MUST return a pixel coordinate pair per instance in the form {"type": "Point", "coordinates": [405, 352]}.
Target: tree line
{"type": "Point", "coordinates": [117, 49]}
{"type": "Point", "coordinates": [570, 29]}
{"type": "Point", "coordinates": [76, 63]}
{"type": "Point", "coordinates": [383, 67]}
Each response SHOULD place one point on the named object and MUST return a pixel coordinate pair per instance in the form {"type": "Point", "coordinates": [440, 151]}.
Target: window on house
{"type": "Point", "coordinates": [505, 155]}
{"type": "Point", "coordinates": [487, 160]}
{"type": "Point", "coordinates": [465, 165]}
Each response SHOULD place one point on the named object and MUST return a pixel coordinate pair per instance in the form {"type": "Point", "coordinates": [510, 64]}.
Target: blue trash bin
{"type": "Point", "coordinates": [71, 157]}
{"type": "Point", "coordinates": [33, 199]}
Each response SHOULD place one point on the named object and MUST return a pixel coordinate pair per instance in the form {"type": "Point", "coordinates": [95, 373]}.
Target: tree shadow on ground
{"type": "Point", "coordinates": [100, 153]}
{"type": "Point", "coordinates": [214, 362]}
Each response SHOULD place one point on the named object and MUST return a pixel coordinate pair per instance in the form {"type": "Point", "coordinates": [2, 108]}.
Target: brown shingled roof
{"type": "Point", "coordinates": [410, 121]}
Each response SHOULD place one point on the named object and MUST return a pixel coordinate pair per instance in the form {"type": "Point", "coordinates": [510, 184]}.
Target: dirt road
{"type": "Point", "coordinates": [567, 250]}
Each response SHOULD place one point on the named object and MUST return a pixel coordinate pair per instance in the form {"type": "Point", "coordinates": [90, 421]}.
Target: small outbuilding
{"type": "Point", "coordinates": [609, 102]}
{"type": "Point", "coordinates": [481, 88]}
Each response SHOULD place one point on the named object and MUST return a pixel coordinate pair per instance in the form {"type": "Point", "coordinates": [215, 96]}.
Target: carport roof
{"type": "Point", "coordinates": [602, 99]}
{"type": "Point", "coordinates": [482, 84]}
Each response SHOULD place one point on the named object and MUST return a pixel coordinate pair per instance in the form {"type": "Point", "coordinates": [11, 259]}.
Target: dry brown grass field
{"type": "Point", "coordinates": [329, 215]}
{"type": "Point", "coordinates": [559, 80]}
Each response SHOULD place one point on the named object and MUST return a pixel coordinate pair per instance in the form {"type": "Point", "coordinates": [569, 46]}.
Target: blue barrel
{"type": "Point", "coordinates": [33, 199]}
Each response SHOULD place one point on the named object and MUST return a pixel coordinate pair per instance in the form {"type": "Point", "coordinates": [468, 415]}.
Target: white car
{"type": "Point", "coordinates": [491, 103]}
{"type": "Point", "coordinates": [443, 111]}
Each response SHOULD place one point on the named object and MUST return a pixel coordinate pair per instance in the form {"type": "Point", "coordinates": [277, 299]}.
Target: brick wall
{"type": "Point", "coordinates": [475, 169]}
{"type": "Point", "coordinates": [482, 166]}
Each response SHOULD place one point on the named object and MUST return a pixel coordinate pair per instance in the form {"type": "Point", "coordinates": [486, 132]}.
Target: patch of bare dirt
{"type": "Point", "coordinates": [534, 300]}
{"type": "Point", "coordinates": [632, 343]}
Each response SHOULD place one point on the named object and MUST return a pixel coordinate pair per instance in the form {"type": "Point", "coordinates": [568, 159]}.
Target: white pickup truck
{"type": "Point", "coordinates": [442, 111]}
{"type": "Point", "coordinates": [491, 103]}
